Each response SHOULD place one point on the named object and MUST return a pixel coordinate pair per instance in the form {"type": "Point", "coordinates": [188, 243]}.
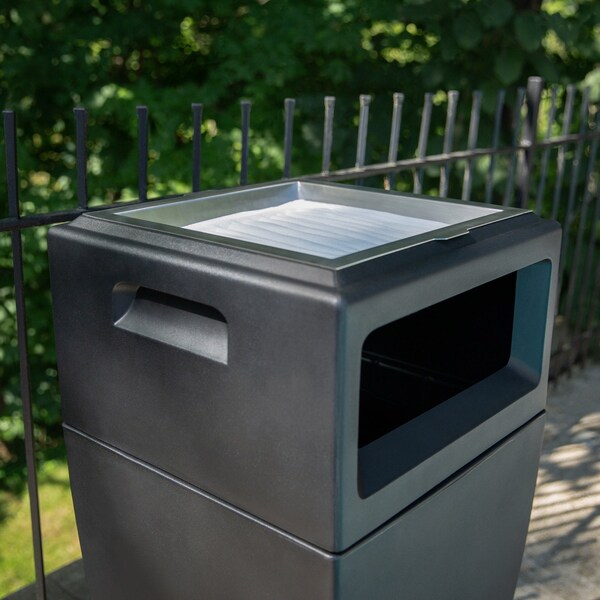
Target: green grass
{"type": "Point", "coordinates": [61, 545]}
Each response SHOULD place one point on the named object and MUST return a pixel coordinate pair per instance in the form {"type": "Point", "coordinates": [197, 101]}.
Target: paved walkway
{"type": "Point", "coordinates": [562, 557]}
{"type": "Point", "coordinates": [67, 583]}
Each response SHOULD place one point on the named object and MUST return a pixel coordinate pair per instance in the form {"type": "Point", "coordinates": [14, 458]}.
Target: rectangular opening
{"type": "Point", "coordinates": [415, 363]}
{"type": "Point", "coordinates": [437, 375]}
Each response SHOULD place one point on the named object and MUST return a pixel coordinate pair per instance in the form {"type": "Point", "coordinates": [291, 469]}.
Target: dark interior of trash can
{"type": "Point", "coordinates": [417, 362]}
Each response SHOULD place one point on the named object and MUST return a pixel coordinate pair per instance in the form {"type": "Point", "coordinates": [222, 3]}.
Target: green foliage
{"type": "Point", "coordinates": [112, 55]}
{"type": "Point", "coordinates": [494, 14]}
{"type": "Point", "coordinates": [61, 545]}
{"type": "Point", "coordinates": [529, 30]}
{"type": "Point", "coordinates": [467, 30]}
{"type": "Point", "coordinates": [508, 65]}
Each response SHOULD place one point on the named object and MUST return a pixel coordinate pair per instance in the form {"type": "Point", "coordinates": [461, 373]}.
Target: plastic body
{"type": "Point", "coordinates": [147, 535]}
{"type": "Point", "coordinates": [266, 379]}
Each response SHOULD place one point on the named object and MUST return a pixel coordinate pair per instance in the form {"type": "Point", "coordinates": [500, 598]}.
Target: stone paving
{"type": "Point", "coordinates": [562, 557]}
{"type": "Point", "coordinates": [67, 583]}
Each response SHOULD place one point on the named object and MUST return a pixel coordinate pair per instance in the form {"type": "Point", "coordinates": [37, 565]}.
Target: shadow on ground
{"type": "Point", "coordinates": [562, 556]}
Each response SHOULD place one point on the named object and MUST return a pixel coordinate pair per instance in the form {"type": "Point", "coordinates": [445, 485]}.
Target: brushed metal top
{"type": "Point", "coordinates": [311, 222]}
{"type": "Point", "coordinates": [316, 228]}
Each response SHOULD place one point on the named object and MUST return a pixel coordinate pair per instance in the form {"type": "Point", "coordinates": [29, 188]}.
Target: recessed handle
{"type": "Point", "coordinates": [171, 320]}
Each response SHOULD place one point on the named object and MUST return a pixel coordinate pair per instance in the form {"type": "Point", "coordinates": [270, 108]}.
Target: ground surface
{"type": "Point", "coordinates": [61, 545]}
{"type": "Point", "coordinates": [562, 557]}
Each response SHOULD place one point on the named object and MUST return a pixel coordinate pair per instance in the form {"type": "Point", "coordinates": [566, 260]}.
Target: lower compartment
{"type": "Point", "coordinates": [147, 536]}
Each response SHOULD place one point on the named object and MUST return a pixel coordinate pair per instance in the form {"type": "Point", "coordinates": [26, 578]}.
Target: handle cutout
{"type": "Point", "coordinates": [171, 320]}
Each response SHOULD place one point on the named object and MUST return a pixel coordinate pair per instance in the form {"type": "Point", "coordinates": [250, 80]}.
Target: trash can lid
{"type": "Point", "coordinates": [317, 223]}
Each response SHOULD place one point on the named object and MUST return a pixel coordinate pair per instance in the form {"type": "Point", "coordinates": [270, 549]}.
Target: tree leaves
{"type": "Point", "coordinates": [529, 31]}
{"type": "Point", "coordinates": [508, 65]}
{"type": "Point", "coordinates": [467, 30]}
{"type": "Point", "coordinates": [494, 13]}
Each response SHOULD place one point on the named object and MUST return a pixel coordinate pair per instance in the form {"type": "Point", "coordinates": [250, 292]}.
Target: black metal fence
{"type": "Point", "coordinates": [549, 165]}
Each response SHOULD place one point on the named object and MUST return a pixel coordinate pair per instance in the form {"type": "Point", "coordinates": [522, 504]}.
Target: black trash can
{"type": "Point", "coordinates": [303, 391]}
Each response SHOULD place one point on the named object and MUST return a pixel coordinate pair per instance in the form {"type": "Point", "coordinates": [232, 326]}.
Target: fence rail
{"type": "Point", "coordinates": [522, 172]}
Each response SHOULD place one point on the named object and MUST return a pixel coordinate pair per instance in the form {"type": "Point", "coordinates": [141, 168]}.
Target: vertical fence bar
{"type": "Point", "coordinates": [573, 284]}
{"type": "Point", "coordinates": [81, 117]}
{"type": "Point", "coordinates": [560, 155]}
{"type": "Point", "coordinates": [289, 106]}
{"type": "Point", "coordinates": [398, 101]}
{"type": "Point", "coordinates": [593, 309]}
{"type": "Point", "coordinates": [546, 154]}
{"type": "Point", "coordinates": [142, 115]}
{"type": "Point", "coordinates": [329, 103]}
{"type": "Point", "coordinates": [588, 264]}
{"type": "Point", "coordinates": [508, 192]}
{"type": "Point", "coordinates": [582, 225]}
{"type": "Point", "coordinates": [363, 127]}
{"type": "Point", "coordinates": [448, 140]}
{"type": "Point", "coordinates": [568, 220]}
{"type": "Point", "coordinates": [489, 184]}
{"type": "Point", "coordinates": [423, 137]}
{"type": "Point", "coordinates": [575, 341]}
{"type": "Point", "coordinates": [533, 97]}
{"type": "Point", "coordinates": [246, 105]}
{"type": "Point", "coordinates": [196, 146]}
{"type": "Point", "coordinates": [471, 144]}
{"type": "Point", "coordinates": [587, 281]}
{"type": "Point", "coordinates": [12, 178]}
